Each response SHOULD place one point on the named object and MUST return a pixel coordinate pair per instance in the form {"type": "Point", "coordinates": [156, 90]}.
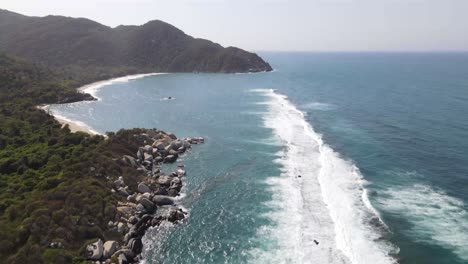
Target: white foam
{"type": "Point", "coordinates": [435, 217]}
{"type": "Point", "coordinates": [328, 203]}
{"type": "Point", "coordinates": [93, 88]}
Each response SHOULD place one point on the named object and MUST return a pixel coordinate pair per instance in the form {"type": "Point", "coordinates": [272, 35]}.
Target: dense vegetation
{"type": "Point", "coordinates": [153, 47]}
{"type": "Point", "coordinates": [53, 183]}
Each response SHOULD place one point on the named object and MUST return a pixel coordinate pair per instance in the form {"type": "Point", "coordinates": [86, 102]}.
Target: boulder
{"type": "Point", "coordinates": [148, 157]}
{"type": "Point", "coordinates": [170, 158]}
{"type": "Point", "coordinates": [148, 149]}
{"type": "Point", "coordinates": [128, 253]}
{"type": "Point", "coordinates": [173, 192]}
{"type": "Point", "coordinates": [132, 198]}
{"type": "Point", "coordinates": [121, 259]}
{"type": "Point", "coordinates": [140, 208]}
{"type": "Point", "coordinates": [173, 152]}
{"type": "Point", "coordinates": [180, 172]}
{"type": "Point", "coordinates": [186, 144]}
{"type": "Point", "coordinates": [123, 191]}
{"type": "Point", "coordinates": [175, 215]}
{"type": "Point", "coordinates": [161, 191]}
{"type": "Point", "coordinates": [121, 228]}
{"type": "Point", "coordinates": [176, 183]}
{"type": "Point", "coordinates": [110, 247]}
{"type": "Point", "coordinates": [130, 160]}
{"type": "Point", "coordinates": [135, 245]}
{"type": "Point", "coordinates": [95, 250]}
{"type": "Point", "coordinates": [149, 205]}
{"type": "Point", "coordinates": [143, 188]}
{"type": "Point", "coordinates": [119, 183]}
{"type": "Point", "coordinates": [162, 200]}
{"type": "Point", "coordinates": [133, 220]}
{"type": "Point", "coordinates": [125, 210]}
{"type": "Point", "coordinates": [159, 159]}
{"type": "Point", "coordinates": [159, 145]}
{"type": "Point", "coordinates": [164, 180]}
{"type": "Point", "coordinates": [172, 136]}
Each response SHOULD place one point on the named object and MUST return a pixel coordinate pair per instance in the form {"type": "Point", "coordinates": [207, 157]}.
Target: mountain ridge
{"type": "Point", "coordinates": [155, 46]}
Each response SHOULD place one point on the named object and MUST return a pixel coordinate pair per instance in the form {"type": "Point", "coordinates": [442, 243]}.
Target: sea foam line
{"type": "Point", "coordinates": [327, 203]}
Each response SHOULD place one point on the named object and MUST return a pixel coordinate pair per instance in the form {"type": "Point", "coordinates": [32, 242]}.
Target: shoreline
{"type": "Point", "coordinates": [92, 89]}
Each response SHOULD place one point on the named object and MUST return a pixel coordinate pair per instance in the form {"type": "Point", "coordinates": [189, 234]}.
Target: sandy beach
{"type": "Point", "coordinates": [74, 127]}
{"type": "Point", "coordinates": [92, 88]}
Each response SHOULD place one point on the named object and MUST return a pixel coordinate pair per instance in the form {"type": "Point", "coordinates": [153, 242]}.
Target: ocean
{"type": "Point", "coordinates": [331, 158]}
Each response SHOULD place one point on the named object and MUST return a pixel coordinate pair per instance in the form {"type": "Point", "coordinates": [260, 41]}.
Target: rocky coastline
{"type": "Point", "coordinates": [149, 203]}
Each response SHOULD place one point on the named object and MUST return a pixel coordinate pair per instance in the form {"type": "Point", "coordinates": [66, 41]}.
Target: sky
{"type": "Point", "coordinates": [281, 25]}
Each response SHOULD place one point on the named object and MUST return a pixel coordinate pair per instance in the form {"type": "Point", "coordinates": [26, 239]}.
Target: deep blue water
{"type": "Point", "coordinates": [393, 130]}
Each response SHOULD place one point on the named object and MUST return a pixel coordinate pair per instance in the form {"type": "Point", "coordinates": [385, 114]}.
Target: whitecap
{"type": "Point", "coordinates": [435, 217]}
{"type": "Point", "coordinates": [319, 197]}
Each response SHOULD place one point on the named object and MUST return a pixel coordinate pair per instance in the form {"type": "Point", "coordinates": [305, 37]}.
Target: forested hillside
{"type": "Point", "coordinates": [53, 186]}
{"type": "Point", "coordinates": [153, 47]}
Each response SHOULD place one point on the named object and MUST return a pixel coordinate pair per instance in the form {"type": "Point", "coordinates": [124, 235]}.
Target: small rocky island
{"type": "Point", "coordinates": [150, 203]}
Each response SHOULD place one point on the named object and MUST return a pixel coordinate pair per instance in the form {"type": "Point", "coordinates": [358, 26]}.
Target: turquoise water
{"type": "Point", "coordinates": [379, 142]}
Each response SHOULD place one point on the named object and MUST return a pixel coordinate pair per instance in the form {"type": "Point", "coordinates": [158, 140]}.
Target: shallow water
{"type": "Point", "coordinates": [379, 142]}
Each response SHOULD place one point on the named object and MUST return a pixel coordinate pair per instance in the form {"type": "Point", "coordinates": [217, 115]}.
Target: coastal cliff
{"type": "Point", "coordinates": [81, 44]}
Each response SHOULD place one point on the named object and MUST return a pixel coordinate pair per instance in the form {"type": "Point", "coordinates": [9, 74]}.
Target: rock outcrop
{"type": "Point", "coordinates": [154, 192]}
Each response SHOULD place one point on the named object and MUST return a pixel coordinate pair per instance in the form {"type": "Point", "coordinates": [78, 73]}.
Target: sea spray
{"type": "Point", "coordinates": [320, 207]}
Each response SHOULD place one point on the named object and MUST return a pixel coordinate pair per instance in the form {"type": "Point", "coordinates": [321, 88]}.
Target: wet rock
{"type": "Point", "coordinates": [164, 180]}
{"type": "Point", "coordinates": [135, 245]}
{"type": "Point", "coordinates": [175, 215]}
{"type": "Point", "coordinates": [161, 191]}
{"type": "Point", "coordinates": [95, 250]}
{"type": "Point", "coordinates": [143, 188]}
{"type": "Point", "coordinates": [180, 172]}
{"type": "Point", "coordinates": [176, 183]}
{"type": "Point", "coordinates": [170, 158]}
{"type": "Point", "coordinates": [173, 192]}
{"type": "Point", "coordinates": [162, 200]}
{"type": "Point", "coordinates": [109, 248]}
{"type": "Point", "coordinates": [173, 152]}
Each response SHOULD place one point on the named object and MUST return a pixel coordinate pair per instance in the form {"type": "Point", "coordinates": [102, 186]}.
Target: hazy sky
{"type": "Point", "coordinates": [295, 25]}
